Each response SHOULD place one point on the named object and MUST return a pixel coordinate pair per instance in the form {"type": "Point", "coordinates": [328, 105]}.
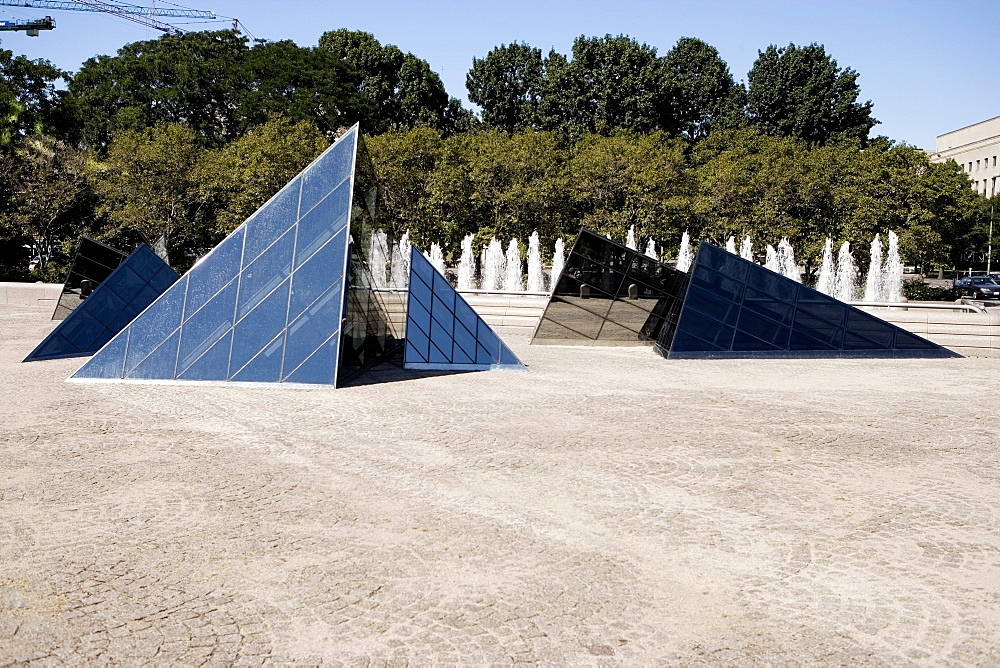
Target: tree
{"type": "Point", "coordinates": [300, 84]}
{"type": "Point", "coordinates": [195, 79]}
{"type": "Point", "coordinates": [631, 179]}
{"type": "Point", "coordinates": [800, 92]}
{"type": "Point", "coordinates": [400, 90]}
{"type": "Point", "coordinates": [29, 101]}
{"type": "Point", "coordinates": [508, 84]}
{"type": "Point", "coordinates": [50, 202]}
{"type": "Point", "coordinates": [404, 163]}
{"type": "Point", "coordinates": [611, 83]}
{"type": "Point", "coordinates": [149, 186]}
{"type": "Point", "coordinates": [702, 93]}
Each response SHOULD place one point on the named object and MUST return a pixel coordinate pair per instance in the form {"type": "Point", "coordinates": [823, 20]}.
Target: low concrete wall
{"type": "Point", "coordinates": [969, 334]}
{"type": "Point", "coordinates": [30, 294]}
{"type": "Point", "coordinates": [511, 316]}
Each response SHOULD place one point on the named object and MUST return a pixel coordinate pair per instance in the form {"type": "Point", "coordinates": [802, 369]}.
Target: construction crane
{"type": "Point", "coordinates": [137, 13]}
{"type": "Point", "coordinates": [30, 27]}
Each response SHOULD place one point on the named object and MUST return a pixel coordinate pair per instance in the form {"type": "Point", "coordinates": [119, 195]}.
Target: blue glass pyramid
{"type": "Point", "coordinates": [130, 288]}
{"type": "Point", "coordinates": [442, 330]}
{"type": "Point", "coordinates": [265, 305]}
{"type": "Point", "coordinates": [734, 308]}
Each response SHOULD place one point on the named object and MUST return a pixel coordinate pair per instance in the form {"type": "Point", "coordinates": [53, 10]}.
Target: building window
{"type": "Point", "coordinates": [977, 165]}
{"type": "Point", "coordinates": [970, 166]}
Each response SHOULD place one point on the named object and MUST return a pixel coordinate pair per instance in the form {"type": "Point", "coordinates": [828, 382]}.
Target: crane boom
{"type": "Point", "coordinates": [119, 8]}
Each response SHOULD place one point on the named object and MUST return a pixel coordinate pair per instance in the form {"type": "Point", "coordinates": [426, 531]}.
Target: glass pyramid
{"type": "Point", "coordinates": [610, 295]}
{"type": "Point", "coordinates": [442, 330]}
{"type": "Point", "coordinates": [267, 304]}
{"type": "Point", "coordinates": [735, 308]}
{"type": "Point", "coordinates": [93, 263]}
{"type": "Point", "coordinates": [130, 288]}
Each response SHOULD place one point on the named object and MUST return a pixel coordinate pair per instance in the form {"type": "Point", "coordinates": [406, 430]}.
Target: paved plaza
{"type": "Point", "coordinates": [609, 507]}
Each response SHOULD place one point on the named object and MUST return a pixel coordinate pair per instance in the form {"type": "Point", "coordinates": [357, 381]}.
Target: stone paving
{"type": "Point", "coordinates": [608, 507]}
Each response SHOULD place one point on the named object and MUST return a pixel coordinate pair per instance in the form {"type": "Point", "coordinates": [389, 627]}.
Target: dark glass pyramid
{"type": "Point", "coordinates": [442, 330]}
{"type": "Point", "coordinates": [266, 305]}
{"type": "Point", "coordinates": [735, 308]}
{"type": "Point", "coordinates": [608, 294]}
{"type": "Point", "coordinates": [93, 263]}
{"type": "Point", "coordinates": [130, 288]}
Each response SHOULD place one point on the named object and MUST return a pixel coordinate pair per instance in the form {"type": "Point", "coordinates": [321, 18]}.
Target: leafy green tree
{"type": "Point", "coordinates": [399, 89]}
{"type": "Point", "coordinates": [29, 99]}
{"type": "Point", "coordinates": [612, 82]}
{"type": "Point", "coordinates": [404, 163]}
{"type": "Point", "coordinates": [50, 198]}
{"type": "Point", "coordinates": [631, 179]}
{"type": "Point", "coordinates": [300, 84]}
{"type": "Point", "coordinates": [195, 79]}
{"type": "Point", "coordinates": [149, 186]}
{"type": "Point", "coordinates": [508, 85]}
{"type": "Point", "coordinates": [801, 92]}
{"type": "Point", "coordinates": [492, 183]}
{"type": "Point", "coordinates": [703, 95]}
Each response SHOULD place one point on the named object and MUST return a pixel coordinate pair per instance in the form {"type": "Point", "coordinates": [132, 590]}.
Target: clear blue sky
{"type": "Point", "coordinates": [930, 66]}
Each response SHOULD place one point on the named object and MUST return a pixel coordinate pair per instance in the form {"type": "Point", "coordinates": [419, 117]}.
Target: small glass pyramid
{"type": "Point", "coordinates": [735, 308]}
{"type": "Point", "coordinates": [93, 263]}
{"type": "Point", "coordinates": [442, 330]}
{"type": "Point", "coordinates": [267, 304]}
{"type": "Point", "coordinates": [125, 293]}
{"type": "Point", "coordinates": [610, 295]}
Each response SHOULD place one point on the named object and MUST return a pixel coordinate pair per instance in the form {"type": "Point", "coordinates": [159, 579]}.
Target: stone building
{"type": "Point", "coordinates": [976, 149]}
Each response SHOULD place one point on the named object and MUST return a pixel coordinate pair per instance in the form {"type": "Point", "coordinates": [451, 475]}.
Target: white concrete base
{"type": "Point", "coordinates": [30, 294]}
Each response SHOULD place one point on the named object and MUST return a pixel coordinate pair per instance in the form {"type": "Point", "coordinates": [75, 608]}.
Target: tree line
{"type": "Point", "coordinates": [186, 135]}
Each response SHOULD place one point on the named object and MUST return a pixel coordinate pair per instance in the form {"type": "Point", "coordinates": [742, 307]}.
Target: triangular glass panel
{"type": "Point", "coordinates": [126, 291]}
{"type": "Point", "coordinates": [432, 323]}
{"type": "Point", "coordinates": [93, 263]}
{"type": "Point", "coordinates": [735, 308]}
{"type": "Point", "coordinates": [232, 308]}
{"type": "Point", "coordinates": [608, 294]}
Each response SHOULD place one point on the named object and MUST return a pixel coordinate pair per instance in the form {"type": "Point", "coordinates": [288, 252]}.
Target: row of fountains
{"type": "Point", "coordinates": [502, 269]}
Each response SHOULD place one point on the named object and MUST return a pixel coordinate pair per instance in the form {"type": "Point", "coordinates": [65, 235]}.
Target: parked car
{"type": "Point", "coordinates": [977, 287]}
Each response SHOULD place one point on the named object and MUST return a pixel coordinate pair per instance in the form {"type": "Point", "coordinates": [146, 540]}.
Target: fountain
{"type": "Point", "coordinates": [377, 259]}
{"type": "Point", "coordinates": [771, 261]}
{"type": "Point", "coordinates": [684, 254]}
{"type": "Point", "coordinates": [731, 245]}
{"type": "Point", "coordinates": [786, 260]}
{"type": "Point", "coordinates": [873, 282]}
{"type": "Point", "coordinates": [399, 264]}
{"type": "Point", "coordinates": [892, 272]}
{"type": "Point", "coordinates": [558, 260]}
{"type": "Point", "coordinates": [512, 276]}
{"type": "Point", "coordinates": [845, 284]}
{"type": "Point", "coordinates": [467, 265]}
{"type": "Point", "coordinates": [651, 250]}
{"type": "Point", "coordinates": [536, 279]}
{"type": "Point", "coordinates": [746, 249]}
{"type": "Point", "coordinates": [630, 240]}
{"type": "Point", "coordinates": [827, 271]}
{"type": "Point", "coordinates": [437, 258]}
{"type": "Point", "coordinates": [494, 266]}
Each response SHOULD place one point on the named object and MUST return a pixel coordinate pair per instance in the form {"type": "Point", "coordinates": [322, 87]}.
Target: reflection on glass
{"type": "Point", "coordinates": [93, 263]}
{"type": "Point", "coordinates": [608, 294]}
